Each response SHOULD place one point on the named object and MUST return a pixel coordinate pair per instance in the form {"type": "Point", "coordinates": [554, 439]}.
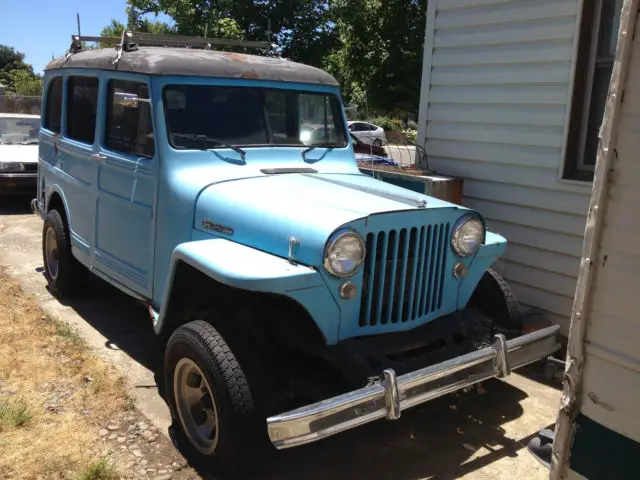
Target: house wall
{"type": "Point", "coordinates": [496, 91]}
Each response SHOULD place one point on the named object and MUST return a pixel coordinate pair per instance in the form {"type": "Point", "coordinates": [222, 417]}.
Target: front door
{"type": "Point", "coordinates": [127, 182]}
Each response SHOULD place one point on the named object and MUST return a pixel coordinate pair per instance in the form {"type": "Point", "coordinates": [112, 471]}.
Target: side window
{"type": "Point", "coordinates": [82, 101]}
{"type": "Point", "coordinates": [128, 127]}
{"type": "Point", "coordinates": [53, 107]}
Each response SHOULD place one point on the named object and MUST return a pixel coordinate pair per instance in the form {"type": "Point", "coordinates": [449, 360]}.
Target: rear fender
{"type": "Point", "coordinates": [246, 268]}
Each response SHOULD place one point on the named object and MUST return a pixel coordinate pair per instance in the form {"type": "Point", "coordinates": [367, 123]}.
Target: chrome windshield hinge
{"type": "Point", "coordinates": [293, 243]}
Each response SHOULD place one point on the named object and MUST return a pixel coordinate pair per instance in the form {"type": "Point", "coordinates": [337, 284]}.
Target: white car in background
{"type": "Point", "coordinates": [19, 138]}
{"type": "Point", "coordinates": [368, 132]}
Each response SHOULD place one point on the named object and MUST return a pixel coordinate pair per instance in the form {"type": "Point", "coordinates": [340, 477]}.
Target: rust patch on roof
{"type": "Point", "coordinates": [250, 74]}
{"type": "Point", "coordinates": [236, 57]}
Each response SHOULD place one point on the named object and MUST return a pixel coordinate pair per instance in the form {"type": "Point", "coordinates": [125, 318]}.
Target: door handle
{"type": "Point", "coordinates": [98, 156]}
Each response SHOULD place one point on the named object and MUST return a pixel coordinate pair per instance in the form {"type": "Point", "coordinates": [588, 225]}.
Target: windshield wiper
{"type": "Point", "coordinates": [324, 145]}
{"type": "Point", "coordinates": [209, 142]}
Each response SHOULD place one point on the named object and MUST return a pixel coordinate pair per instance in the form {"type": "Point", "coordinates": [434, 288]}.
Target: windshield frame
{"type": "Point", "coordinates": [30, 140]}
{"type": "Point", "coordinates": [334, 99]}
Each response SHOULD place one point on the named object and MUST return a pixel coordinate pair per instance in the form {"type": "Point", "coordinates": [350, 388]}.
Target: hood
{"type": "Point", "coordinates": [19, 153]}
{"type": "Point", "coordinates": [264, 212]}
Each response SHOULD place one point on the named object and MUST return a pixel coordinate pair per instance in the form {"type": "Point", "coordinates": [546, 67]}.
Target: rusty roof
{"type": "Point", "coordinates": [195, 62]}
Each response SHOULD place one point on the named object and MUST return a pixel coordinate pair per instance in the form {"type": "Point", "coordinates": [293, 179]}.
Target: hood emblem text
{"type": "Point", "coordinates": [216, 227]}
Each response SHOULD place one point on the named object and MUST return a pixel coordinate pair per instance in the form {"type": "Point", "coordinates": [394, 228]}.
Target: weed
{"type": "Point", "coordinates": [68, 333]}
{"type": "Point", "coordinates": [128, 402]}
{"type": "Point", "coordinates": [100, 469]}
{"type": "Point", "coordinates": [14, 415]}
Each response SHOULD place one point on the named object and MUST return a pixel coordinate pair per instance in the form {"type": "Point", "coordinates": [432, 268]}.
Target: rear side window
{"type": "Point", "coordinates": [82, 106]}
{"type": "Point", "coordinates": [129, 128]}
{"type": "Point", "coordinates": [53, 107]}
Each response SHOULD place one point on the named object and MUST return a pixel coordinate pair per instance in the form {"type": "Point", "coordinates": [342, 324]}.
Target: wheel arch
{"type": "Point", "coordinates": [55, 199]}
{"type": "Point", "coordinates": [194, 294]}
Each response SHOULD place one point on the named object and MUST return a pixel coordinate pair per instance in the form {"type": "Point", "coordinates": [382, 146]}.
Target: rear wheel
{"type": "Point", "coordinates": [64, 273]}
{"type": "Point", "coordinates": [377, 142]}
{"type": "Point", "coordinates": [211, 401]}
{"type": "Point", "coordinates": [494, 298]}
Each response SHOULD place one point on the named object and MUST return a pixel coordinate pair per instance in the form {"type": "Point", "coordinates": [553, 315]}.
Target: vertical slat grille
{"type": "Point", "coordinates": [403, 274]}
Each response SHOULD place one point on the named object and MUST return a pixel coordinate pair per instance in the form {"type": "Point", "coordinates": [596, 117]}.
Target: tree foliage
{"type": "Point", "coordinates": [16, 75]}
{"type": "Point", "coordinates": [115, 28]}
{"type": "Point", "coordinates": [373, 47]}
{"type": "Point", "coordinates": [380, 52]}
{"type": "Point", "coordinates": [301, 28]}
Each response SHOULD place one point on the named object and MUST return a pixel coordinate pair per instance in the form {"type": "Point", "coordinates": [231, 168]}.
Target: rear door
{"type": "Point", "coordinates": [77, 159]}
{"type": "Point", "coordinates": [127, 183]}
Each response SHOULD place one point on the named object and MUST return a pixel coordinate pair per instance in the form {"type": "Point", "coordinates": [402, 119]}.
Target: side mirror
{"type": "Point", "coordinates": [128, 100]}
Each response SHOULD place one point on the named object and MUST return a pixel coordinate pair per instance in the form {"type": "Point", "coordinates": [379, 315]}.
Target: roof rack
{"type": "Point", "coordinates": [130, 41]}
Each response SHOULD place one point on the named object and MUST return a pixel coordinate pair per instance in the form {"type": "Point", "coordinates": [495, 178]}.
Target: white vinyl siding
{"type": "Point", "coordinates": [497, 87]}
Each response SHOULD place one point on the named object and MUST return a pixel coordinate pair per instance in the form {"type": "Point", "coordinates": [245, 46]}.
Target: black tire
{"type": "Point", "coordinates": [241, 437]}
{"type": "Point", "coordinates": [69, 275]}
{"type": "Point", "coordinates": [377, 142]}
{"type": "Point", "coordinates": [494, 298]}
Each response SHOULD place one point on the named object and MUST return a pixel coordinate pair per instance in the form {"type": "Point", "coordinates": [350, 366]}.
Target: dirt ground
{"type": "Point", "coordinates": [64, 413]}
{"type": "Point", "coordinates": [471, 436]}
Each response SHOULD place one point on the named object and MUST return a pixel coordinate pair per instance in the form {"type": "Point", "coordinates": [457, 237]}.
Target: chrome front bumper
{"type": "Point", "coordinates": [394, 394]}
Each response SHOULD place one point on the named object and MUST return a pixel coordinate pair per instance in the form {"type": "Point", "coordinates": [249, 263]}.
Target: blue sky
{"type": "Point", "coordinates": [40, 28]}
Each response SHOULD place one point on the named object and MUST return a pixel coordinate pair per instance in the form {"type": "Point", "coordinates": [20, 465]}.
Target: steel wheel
{"type": "Point", "coordinates": [196, 406]}
{"type": "Point", "coordinates": [51, 253]}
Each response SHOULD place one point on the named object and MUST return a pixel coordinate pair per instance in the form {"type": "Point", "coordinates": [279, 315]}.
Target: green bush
{"type": "Point", "coordinates": [411, 134]}
{"type": "Point", "coordinates": [387, 123]}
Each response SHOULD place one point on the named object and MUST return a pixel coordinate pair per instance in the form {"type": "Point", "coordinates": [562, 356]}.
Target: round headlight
{"type": "Point", "coordinates": [467, 236]}
{"type": "Point", "coordinates": [344, 253]}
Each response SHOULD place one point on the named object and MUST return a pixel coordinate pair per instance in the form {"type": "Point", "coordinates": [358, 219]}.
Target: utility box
{"type": "Point", "coordinates": [421, 181]}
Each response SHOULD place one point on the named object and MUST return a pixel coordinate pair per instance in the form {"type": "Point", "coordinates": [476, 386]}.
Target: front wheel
{"type": "Point", "coordinates": [210, 399]}
{"type": "Point", "coordinates": [494, 298]}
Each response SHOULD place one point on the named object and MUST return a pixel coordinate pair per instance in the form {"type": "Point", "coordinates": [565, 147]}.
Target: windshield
{"type": "Point", "coordinates": [19, 130]}
{"type": "Point", "coordinates": [202, 117]}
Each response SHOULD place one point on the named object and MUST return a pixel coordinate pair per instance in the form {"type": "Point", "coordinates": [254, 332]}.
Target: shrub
{"type": "Point", "coordinates": [411, 134]}
{"type": "Point", "coordinates": [387, 123]}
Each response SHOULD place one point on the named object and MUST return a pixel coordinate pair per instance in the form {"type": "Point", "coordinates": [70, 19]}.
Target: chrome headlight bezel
{"type": "Point", "coordinates": [334, 240]}
{"type": "Point", "coordinates": [465, 222]}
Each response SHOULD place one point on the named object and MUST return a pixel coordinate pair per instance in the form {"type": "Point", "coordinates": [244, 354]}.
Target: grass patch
{"type": "Point", "coordinates": [49, 363]}
{"type": "Point", "coordinates": [14, 415]}
{"type": "Point", "coordinates": [68, 333]}
{"type": "Point", "coordinates": [100, 469]}
{"type": "Point", "coordinates": [128, 402]}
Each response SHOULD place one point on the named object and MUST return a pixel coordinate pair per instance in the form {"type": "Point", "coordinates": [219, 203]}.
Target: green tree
{"type": "Point", "coordinates": [379, 53]}
{"type": "Point", "coordinates": [115, 28]}
{"type": "Point", "coordinates": [26, 83]}
{"type": "Point", "coordinates": [300, 27]}
{"type": "Point", "coordinates": [11, 60]}
{"type": "Point", "coordinates": [16, 75]}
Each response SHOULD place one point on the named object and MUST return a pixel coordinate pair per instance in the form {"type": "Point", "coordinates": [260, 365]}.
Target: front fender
{"type": "Point", "coordinates": [246, 268]}
{"type": "Point", "coordinates": [493, 247]}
